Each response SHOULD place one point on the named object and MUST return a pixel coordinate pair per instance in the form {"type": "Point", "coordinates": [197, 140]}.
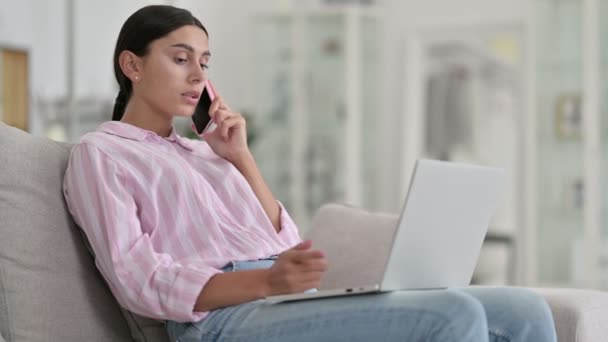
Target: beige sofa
{"type": "Point", "coordinates": [50, 289]}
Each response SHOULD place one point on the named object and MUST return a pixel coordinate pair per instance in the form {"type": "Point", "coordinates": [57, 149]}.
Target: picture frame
{"type": "Point", "coordinates": [568, 116]}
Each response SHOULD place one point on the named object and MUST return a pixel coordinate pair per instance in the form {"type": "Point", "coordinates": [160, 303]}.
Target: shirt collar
{"type": "Point", "coordinates": [128, 131]}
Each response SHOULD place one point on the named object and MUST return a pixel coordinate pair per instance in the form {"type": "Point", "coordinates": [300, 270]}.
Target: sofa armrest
{"type": "Point", "coordinates": [579, 315]}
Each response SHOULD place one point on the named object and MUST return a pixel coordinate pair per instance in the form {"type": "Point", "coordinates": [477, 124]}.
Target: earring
{"type": "Point", "coordinates": [137, 78]}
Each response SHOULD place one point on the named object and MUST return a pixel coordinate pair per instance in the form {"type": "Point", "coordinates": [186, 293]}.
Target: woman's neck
{"type": "Point", "coordinates": [137, 114]}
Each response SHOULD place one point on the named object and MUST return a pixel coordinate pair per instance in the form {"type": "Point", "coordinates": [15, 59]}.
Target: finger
{"type": "Point", "coordinates": [230, 123]}
{"type": "Point", "coordinates": [303, 245]}
{"type": "Point", "coordinates": [301, 287]}
{"type": "Point", "coordinates": [193, 126]}
{"type": "Point", "coordinates": [216, 104]}
{"type": "Point", "coordinates": [212, 87]}
{"type": "Point", "coordinates": [314, 265]}
{"type": "Point", "coordinates": [289, 253]}
{"type": "Point", "coordinates": [222, 104]}
{"type": "Point", "coordinates": [308, 271]}
{"type": "Point", "coordinates": [308, 284]}
{"type": "Point", "coordinates": [224, 115]}
{"type": "Point", "coordinates": [311, 278]}
{"type": "Point", "coordinates": [213, 135]}
{"type": "Point", "coordinates": [304, 256]}
{"type": "Point", "coordinates": [300, 278]}
{"type": "Point", "coordinates": [221, 115]}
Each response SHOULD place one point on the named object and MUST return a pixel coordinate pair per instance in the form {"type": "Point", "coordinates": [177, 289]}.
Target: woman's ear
{"type": "Point", "coordinates": [130, 64]}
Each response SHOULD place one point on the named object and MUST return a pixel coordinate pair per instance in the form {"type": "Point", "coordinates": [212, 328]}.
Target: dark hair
{"type": "Point", "coordinates": [141, 28]}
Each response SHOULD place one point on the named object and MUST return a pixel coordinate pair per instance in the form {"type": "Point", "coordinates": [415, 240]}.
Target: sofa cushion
{"type": "Point", "coordinates": [354, 227]}
{"type": "Point", "coordinates": [50, 289]}
{"type": "Point", "coordinates": [142, 329]}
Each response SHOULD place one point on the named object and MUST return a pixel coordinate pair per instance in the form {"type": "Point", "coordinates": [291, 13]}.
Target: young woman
{"type": "Point", "coordinates": [188, 232]}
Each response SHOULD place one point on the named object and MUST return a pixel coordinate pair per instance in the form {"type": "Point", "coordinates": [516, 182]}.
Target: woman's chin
{"type": "Point", "coordinates": [183, 113]}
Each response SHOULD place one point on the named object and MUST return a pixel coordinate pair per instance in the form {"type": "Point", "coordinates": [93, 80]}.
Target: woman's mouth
{"type": "Point", "coordinates": [191, 97]}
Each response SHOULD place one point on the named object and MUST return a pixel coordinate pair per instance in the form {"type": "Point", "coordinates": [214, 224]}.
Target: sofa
{"type": "Point", "coordinates": [50, 289]}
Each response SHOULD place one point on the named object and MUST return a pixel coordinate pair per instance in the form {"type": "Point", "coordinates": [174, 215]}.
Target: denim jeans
{"type": "Point", "coordinates": [471, 314]}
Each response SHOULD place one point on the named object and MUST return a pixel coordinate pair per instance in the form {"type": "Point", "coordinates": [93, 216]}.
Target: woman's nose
{"type": "Point", "coordinates": [198, 74]}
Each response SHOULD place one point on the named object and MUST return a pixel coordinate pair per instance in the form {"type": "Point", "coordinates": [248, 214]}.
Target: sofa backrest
{"type": "Point", "coordinates": [50, 289]}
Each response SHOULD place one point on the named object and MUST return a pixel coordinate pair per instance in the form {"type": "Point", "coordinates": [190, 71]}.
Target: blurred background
{"type": "Point", "coordinates": [342, 96]}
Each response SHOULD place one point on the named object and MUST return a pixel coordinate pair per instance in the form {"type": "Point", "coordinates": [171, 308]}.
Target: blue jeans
{"type": "Point", "coordinates": [471, 314]}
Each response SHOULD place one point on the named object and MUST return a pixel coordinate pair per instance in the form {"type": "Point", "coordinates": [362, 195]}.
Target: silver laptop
{"type": "Point", "coordinates": [439, 233]}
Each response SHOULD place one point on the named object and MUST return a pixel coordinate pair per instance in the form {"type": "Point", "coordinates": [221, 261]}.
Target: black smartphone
{"type": "Point", "coordinates": [201, 116]}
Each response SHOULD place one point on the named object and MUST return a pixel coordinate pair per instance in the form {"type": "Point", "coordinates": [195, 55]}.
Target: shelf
{"type": "Point", "coordinates": [561, 162]}
{"type": "Point", "coordinates": [314, 112]}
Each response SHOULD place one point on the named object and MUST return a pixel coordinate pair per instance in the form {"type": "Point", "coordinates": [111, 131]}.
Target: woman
{"type": "Point", "coordinates": [188, 232]}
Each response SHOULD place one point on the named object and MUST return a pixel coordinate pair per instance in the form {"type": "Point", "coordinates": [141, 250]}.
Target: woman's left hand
{"type": "Point", "coordinates": [229, 139]}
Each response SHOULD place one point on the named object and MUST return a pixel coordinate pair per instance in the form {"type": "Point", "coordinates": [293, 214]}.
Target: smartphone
{"type": "Point", "coordinates": [202, 120]}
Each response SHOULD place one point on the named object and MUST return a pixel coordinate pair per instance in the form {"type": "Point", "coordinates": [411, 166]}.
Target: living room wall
{"type": "Point", "coordinates": [78, 63]}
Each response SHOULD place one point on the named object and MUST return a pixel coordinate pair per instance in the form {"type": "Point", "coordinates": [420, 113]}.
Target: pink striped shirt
{"type": "Point", "coordinates": [163, 215]}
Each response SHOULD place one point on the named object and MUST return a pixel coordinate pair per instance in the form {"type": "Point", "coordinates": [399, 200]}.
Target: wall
{"type": "Point", "coordinates": [40, 26]}
{"type": "Point", "coordinates": [229, 23]}
{"type": "Point", "coordinates": [18, 32]}
{"type": "Point", "coordinates": [33, 24]}
{"type": "Point", "coordinates": [97, 26]}
{"type": "Point", "coordinates": [15, 23]}
{"type": "Point", "coordinates": [404, 18]}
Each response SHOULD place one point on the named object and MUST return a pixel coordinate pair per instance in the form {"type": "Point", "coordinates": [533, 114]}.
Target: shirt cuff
{"type": "Point", "coordinates": [193, 281]}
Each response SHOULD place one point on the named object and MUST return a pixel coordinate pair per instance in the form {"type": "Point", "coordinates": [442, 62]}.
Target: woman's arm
{"type": "Point", "coordinates": [98, 193]}
{"type": "Point", "coordinates": [229, 141]}
{"type": "Point", "coordinates": [248, 168]}
{"type": "Point", "coordinates": [295, 270]}
{"type": "Point", "coordinates": [232, 288]}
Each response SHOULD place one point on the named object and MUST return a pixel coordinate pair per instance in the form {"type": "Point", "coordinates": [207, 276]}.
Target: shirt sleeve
{"type": "Point", "coordinates": [289, 230]}
{"type": "Point", "coordinates": [144, 281]}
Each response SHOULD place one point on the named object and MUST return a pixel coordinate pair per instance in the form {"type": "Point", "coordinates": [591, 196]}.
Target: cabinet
{"type": "Point", "coordinates": [318, 73]}
{"type": "Point", "coordinates": [571, 72]}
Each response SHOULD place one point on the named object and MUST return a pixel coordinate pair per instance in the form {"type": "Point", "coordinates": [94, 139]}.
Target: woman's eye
{"type": "Point", "coordinates": [204, 66]}
{"type": "Point", "coordinates": [180, 60]}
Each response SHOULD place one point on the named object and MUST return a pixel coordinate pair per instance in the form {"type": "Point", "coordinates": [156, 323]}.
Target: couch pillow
{"type": "Point", "coordinates": [337, 228]}
{"type": "Point", "coordinates": [50, 289]}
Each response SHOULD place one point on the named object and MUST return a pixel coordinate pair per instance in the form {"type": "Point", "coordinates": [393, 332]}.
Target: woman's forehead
{"type": "Point", "coordinates": [187, 37]}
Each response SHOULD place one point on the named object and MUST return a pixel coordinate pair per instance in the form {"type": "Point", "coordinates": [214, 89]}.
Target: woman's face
{"type": "Point", "coordinates": [173, 72]}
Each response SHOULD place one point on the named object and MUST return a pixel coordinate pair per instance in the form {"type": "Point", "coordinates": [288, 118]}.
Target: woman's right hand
{"type": "Point", "coordinates": [296, 270]}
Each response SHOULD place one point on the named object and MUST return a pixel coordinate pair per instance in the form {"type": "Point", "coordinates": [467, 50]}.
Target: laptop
{"type": "Point", "coordinates": [439, 233]}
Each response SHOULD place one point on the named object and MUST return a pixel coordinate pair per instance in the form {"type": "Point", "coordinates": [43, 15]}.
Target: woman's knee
{"type": "Point", "coordinates": [443, 315]}
{"type": "Point", "coordinates": [532, 303]}
{"type": "Point", "coordinates": [455, 315]}
{"type": "Point", "coordinates": [533, 311]}
{"type": "Point", "coordinates": [516, 311]}
{"type": "Point", "coordinates": [519, 302]}
{"type": "Point", "coordinates": [466, 309]}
